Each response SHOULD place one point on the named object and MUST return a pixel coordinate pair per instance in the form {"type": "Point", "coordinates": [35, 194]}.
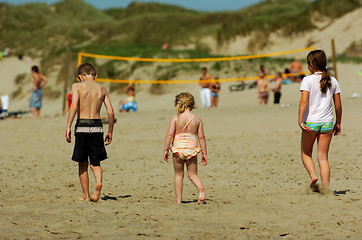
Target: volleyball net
{"type": "Point", "coordinates": [81, 55]}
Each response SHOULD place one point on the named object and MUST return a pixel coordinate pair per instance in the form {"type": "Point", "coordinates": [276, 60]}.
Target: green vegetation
{"type": "Point", "coordinates": [56, 33]}
{"type": "Point", "coordinates": [37, 29]}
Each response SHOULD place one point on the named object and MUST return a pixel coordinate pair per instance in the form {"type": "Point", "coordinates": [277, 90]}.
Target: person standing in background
{"type": "Point", "coordinates": [205, 92]}
{"type": "Point", "coordinates": [39, 82]}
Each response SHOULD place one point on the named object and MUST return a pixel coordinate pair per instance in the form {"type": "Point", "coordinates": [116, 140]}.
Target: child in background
{"type": "Point", "coordinates": [183, 132]}
{"type": "Point", "coordinates": [263, 89]}
{"type": "Point", "coordinates": [215, 89]}
{"type": "Point", "coordinates": [316, 115]}
{"type": "Point", "coordinates": [278, 87]}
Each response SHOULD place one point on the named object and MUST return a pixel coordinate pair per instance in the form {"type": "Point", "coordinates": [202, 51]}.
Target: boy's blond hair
{"type": "Point", "coordinates": [183, 101]}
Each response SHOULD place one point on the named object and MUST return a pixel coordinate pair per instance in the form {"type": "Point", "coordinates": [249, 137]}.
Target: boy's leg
{"type": "Point", "coordinates": [33, 111]}
{"type": "Point", "coordinates": [178, 165]}
{"type": "Point", "coordinates": [260, 99]}
{"type": "Point", "coordinates": [37, 112]}
{"type": "Point", "coordinates": [194, 178]}
{"type": "Point", "coordinates": [308, 139]}
{"type": "Point", "coordinates": [98, 174]}
{"type": "Point", "coordinates": [324, 141]}
{"type": "Point", "coordinates": [84, 180]}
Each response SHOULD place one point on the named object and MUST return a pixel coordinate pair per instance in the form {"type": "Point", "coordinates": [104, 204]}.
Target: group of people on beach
{"type": "Point", "coordinates": [315, 118]}
{"type": "Point", "coordinates": [264, 84]}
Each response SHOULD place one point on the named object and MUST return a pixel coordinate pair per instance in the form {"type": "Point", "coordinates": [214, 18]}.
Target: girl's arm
{"type": "Point", "coordinates": [169, 136]}
{"type": "Point", "coordinates": [304, 99]}
{"type": "Point", "coordinates": [202, 140]}
{"type": "Point", "coordinates": [338, 107]}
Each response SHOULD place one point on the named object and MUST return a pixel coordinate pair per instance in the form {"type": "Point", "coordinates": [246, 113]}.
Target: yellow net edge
{"type": "Point", "coordinates": [82, 54]}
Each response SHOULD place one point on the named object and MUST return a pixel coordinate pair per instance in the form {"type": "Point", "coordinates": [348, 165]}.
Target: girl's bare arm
{"type": "Point", "coordinates": [338, 106]}
{"type": "Point", "coordinates": [202, 140]}
{"type": "Point", "coordinates": [169, 136]}
{"type": "Point", "coordinates": [304, 99]}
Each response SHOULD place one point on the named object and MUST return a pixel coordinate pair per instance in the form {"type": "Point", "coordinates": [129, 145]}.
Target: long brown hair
{"type": "Point", "coordinates": [318, 60]}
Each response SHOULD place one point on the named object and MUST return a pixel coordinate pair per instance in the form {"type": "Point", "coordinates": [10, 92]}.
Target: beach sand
{"type": "Point", "coordinates": [255, 182]}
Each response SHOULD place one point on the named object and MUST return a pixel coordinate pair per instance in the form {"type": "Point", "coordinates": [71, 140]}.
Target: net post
{"type": "Point", "coordinates": [334, 58]}
{"type": "Point", "coordinates": [79, 59]}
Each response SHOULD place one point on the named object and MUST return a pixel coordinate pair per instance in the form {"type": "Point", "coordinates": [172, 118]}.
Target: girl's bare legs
{"type": "Point", "coordinates": [191, 165]}
{"type": "Point", "coordinates": [216, 101]}
{"type": "Point", "coordinates": [308, 139]}
{"type": "Point", "coordinates": [97, 172]}
{"type": "Point", "coordinates": [324, 140]}
{"type": "Point", "coordinates": [84, 181]}
{"type": "Point", "coordinates": [178, 165]}
{"type": "Point", "coordinates": [213, 102]}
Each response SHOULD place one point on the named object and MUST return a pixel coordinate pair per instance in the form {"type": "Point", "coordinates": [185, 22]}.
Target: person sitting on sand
{"type": "Point", "coordinates": [87, 99]}
{"type": "Point", "coordinates": [215, 89]}
{"type": "Point", "coordinates": [278, 87]}
{"type": "Point", "coordinates": [316, 115]}
{"type": "Point", "coordinates": [130, 103]}
{"type": "Point", "coordinates": [39, 82]}
{"type": "Point", "coordinates": [4, 106]}
{"type": "Point", "coordinates": [263, 89]}
{"type": "Point", "coordinates": [205, 92]}
{"type": "Point", "coordinates": [184, 130]}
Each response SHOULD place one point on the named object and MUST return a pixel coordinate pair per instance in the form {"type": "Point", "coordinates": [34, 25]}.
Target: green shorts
{"type": "Point", "coordinates": [321, 127]}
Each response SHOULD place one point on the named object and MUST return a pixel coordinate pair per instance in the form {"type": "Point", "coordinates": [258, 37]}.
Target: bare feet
{"type": "Point", "coordinates": [83, 198]}
{"type": "Point", "coordinates": [202, 195]}
{"type": "Point", "coordinates": [313, 181]}
{"type": "Point", "coordinates": [97, 193]}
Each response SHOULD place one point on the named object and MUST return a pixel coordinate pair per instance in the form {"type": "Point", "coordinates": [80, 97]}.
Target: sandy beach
{"type": "Point", "coordinates": [256, 185]}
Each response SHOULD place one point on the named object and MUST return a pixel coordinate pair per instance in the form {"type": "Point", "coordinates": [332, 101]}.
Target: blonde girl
{"type": "Point", "coordinates": [316, 115]}
{"type": "Point", "coordinates": [184, 130]}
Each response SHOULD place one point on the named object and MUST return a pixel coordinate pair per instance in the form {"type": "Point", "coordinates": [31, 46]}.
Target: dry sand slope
{"type": "Point", "coordinates": [256, 184]}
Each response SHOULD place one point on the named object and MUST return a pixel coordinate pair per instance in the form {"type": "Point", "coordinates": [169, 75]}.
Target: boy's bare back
{"type": "Point", "coordinates": [263, 85]}
{"type": "Point", "coordinates": [90, 96]}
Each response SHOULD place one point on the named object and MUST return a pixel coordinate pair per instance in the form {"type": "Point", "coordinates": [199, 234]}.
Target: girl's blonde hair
{"type": "Point", "coordinates": [183, 101]}
{"type": "Point", "coordinates": [318, 59]}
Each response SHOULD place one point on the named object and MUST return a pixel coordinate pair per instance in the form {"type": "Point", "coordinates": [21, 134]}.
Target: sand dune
{"type": "Point", "coordinates": [255, 183]}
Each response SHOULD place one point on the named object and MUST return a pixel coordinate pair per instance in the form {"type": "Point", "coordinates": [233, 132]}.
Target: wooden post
{"type": "Point", "coordinates": [65, 75]}
{"type": "Point", "coordinates": [334, 59]}
{"type": "Point", "coordinates": [79, 59]}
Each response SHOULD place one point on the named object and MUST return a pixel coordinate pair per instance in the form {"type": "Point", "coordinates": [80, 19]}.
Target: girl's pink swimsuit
{"type": "Point", "coordinates": [185, 143]}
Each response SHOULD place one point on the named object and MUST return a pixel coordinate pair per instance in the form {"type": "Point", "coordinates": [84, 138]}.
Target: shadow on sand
{"type": "Point", "coordinates": [106, 197]}
{"type": "Point", "coordinates": [195, 201]}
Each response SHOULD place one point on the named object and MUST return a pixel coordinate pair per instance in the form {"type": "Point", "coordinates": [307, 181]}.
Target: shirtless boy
{"type": "Point", "coordinates": [263, 89]}
{"type": "Point", "coordinates": [278, 87]}
{"type": "Point", "coordinates": [39, 82]}
{"type": "Point", "coordinates": [87, 99]}
{"type": "Point", "coordinates": [205, 92]}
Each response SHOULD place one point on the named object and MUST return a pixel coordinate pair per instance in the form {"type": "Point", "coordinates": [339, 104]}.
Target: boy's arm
{"type": "Point", "coordinates": [202, 140]}
{"type": "Point", "coordinates": [72, 111]}
{"type": "Point", "coordinates": [45, 81]}
{"type": "Point", "coordinates": [110, 112]}
{"type": "Point", "coordinates": [169, 136]}
{"type": "Point", "coordinates": [304, 99]}
{"type": "Point", "coordinates": [338, 106]}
